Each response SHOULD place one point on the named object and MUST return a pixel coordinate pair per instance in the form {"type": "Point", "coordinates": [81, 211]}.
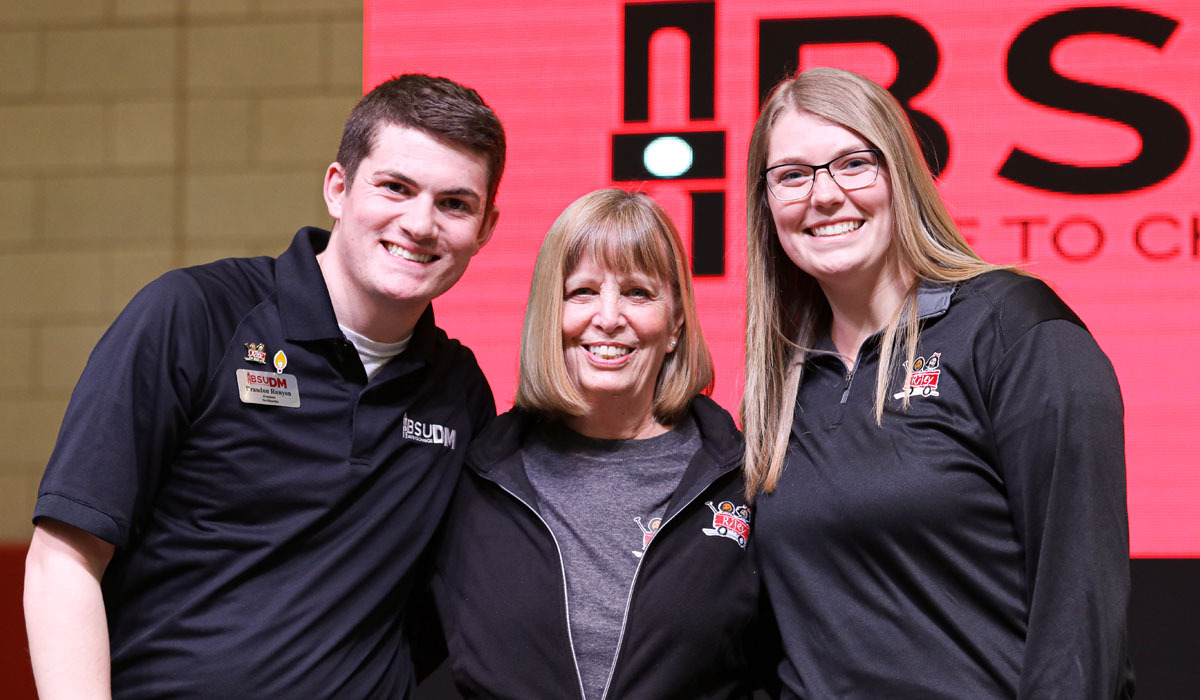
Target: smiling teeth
{"type": "Point", "coordinates": [835, 229]}
{"type": "Point", "coordinates": [397, 251]}
{"type": "Point", "coordinates": [608, 352]}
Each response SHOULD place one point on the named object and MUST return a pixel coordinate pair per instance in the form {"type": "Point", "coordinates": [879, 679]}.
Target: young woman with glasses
{"type": "Point", "coordinates": [935, 443]}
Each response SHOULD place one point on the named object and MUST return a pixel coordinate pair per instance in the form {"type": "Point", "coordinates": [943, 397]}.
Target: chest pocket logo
{"type": "Point", "coordinates": [729, 521]}
{"type": "Point", "coordinates": [924, 378]}
{"type": "Point", "coordinates": [428, 433]}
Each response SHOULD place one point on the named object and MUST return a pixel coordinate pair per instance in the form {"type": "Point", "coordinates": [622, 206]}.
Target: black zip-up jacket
{"type": "Point", "coordinates": [690, 628]}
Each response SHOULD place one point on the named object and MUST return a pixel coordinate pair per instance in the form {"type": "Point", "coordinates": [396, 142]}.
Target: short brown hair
{"type": "Point", "coordinates": [438, 106]}
{"type": "Point", "coordinates": [623, 231]}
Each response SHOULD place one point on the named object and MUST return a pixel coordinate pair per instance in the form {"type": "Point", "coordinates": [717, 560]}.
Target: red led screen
{"type": "Point", "coordinates": [1064, 134]}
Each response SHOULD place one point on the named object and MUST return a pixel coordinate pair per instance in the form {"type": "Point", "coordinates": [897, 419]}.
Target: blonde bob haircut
{"type": "Point", "coordinates": [786, 310]}
{"type": "Point", "coordinates": [621, 231]}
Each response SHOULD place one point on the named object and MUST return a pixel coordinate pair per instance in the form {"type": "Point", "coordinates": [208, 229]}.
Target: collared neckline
{"type": "Point", "coordinates": [933, 299]}
{"type": "Point", "coordinates": [305, 309]}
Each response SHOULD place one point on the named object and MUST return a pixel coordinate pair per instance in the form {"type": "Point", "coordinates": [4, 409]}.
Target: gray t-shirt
{"type": "Point", "coordinates": [603, 500]}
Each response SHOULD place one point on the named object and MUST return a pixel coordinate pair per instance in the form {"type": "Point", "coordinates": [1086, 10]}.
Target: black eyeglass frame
{"type": "Point", "coordinates": [818, 168]}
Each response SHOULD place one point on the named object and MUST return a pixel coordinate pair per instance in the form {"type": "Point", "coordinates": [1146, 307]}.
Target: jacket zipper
{"type": "Point", "coordinates": [853, 370]}
{"type": "Point", "coordinates": [632, 584]}
{"type": "Point", "coordinates": [849, 381]}
{"type": "Point", "coordinates": [566, 599]}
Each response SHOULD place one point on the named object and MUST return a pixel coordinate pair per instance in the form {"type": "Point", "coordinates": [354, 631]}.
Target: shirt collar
{"type": "Point", "coordinates": [933, 298]}
{"type": "Point", "coordinates": [305, 311]}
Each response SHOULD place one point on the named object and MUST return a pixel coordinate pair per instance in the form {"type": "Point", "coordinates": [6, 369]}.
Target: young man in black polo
{"type": "Point", "coordinates": [259, 449]}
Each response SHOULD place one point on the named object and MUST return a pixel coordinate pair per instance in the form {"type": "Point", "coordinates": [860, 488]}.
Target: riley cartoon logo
{"type": "Point", "coordinates": [648, 533]}
{"type": "Point", "coordinates": [924, 378]}
{"type": "Point", "coordinates": [729, 521]}
{"type": "Point", "coordinates": [255, 353]}
{"type": "Point", "coordinates": [429, 433]}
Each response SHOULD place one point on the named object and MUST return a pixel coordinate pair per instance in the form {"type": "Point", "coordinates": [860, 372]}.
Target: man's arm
{"type": "Point", "coordinates": [64, 612]}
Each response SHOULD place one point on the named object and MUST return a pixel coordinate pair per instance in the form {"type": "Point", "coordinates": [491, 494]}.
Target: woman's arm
{"type": "Point", "coordinates": [1058, 421]}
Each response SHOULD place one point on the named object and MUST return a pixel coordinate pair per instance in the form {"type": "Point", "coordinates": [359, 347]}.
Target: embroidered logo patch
{"type": "Point", "coordinates": [648, 533]}
{"type": "Point", "coordinates": [924, 378]}
{"type": "Point", "coordinates": [255, 353]}
{"type": "Point", "coordinates": [428, 433]}
{"type": "Point", "coordinates": [729, 521]}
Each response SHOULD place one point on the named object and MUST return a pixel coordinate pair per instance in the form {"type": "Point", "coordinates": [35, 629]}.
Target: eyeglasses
{"type": "Point", "coordinates": [852, 171]}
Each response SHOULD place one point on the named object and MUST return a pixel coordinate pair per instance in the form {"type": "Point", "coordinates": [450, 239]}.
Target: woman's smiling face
{"type": "Point", "coordinates": [834, 235]}
{"type": "Point", "coordinates": [617, 326]}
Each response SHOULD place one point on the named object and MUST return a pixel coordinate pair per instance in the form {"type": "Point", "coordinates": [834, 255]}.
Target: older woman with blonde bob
{"type": "Point", "coordinates": [935, 444]}
{"type": "Point", "coordinates": [597, 544]}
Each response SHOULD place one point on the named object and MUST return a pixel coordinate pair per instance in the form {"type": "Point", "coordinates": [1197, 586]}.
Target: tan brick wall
{"type": "Point", "coordinates": [137, 136]}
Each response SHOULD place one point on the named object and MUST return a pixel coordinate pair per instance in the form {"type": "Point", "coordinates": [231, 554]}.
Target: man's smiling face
{"type": "Point", "coordinates": [407, 225]}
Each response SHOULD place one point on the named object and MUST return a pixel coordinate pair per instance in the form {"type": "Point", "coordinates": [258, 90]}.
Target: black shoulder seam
{"type": "Point", "coordinates": [1019, 304]}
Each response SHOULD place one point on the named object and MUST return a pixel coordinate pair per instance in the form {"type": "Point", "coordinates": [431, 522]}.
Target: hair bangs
{"type": "Point", "coordinates": [625, 239]}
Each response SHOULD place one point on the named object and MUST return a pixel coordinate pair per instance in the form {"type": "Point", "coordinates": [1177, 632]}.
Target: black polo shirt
{"type": "Point", "coordinates": [263, 551]}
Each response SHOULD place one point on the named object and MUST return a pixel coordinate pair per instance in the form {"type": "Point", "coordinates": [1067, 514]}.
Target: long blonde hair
{"type": "Point", "coordinates": [785, 308]}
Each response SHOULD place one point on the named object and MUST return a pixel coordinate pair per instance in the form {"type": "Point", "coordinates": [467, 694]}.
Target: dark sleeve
{"type": "Point", "coordinates": [422, 626]}
{"type": "Point", "coordinates": [127, 412]}
{"type": "Point", "coordinates": [1058, 423]}
{"type": "Point", "coordinates": [480, 401]}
